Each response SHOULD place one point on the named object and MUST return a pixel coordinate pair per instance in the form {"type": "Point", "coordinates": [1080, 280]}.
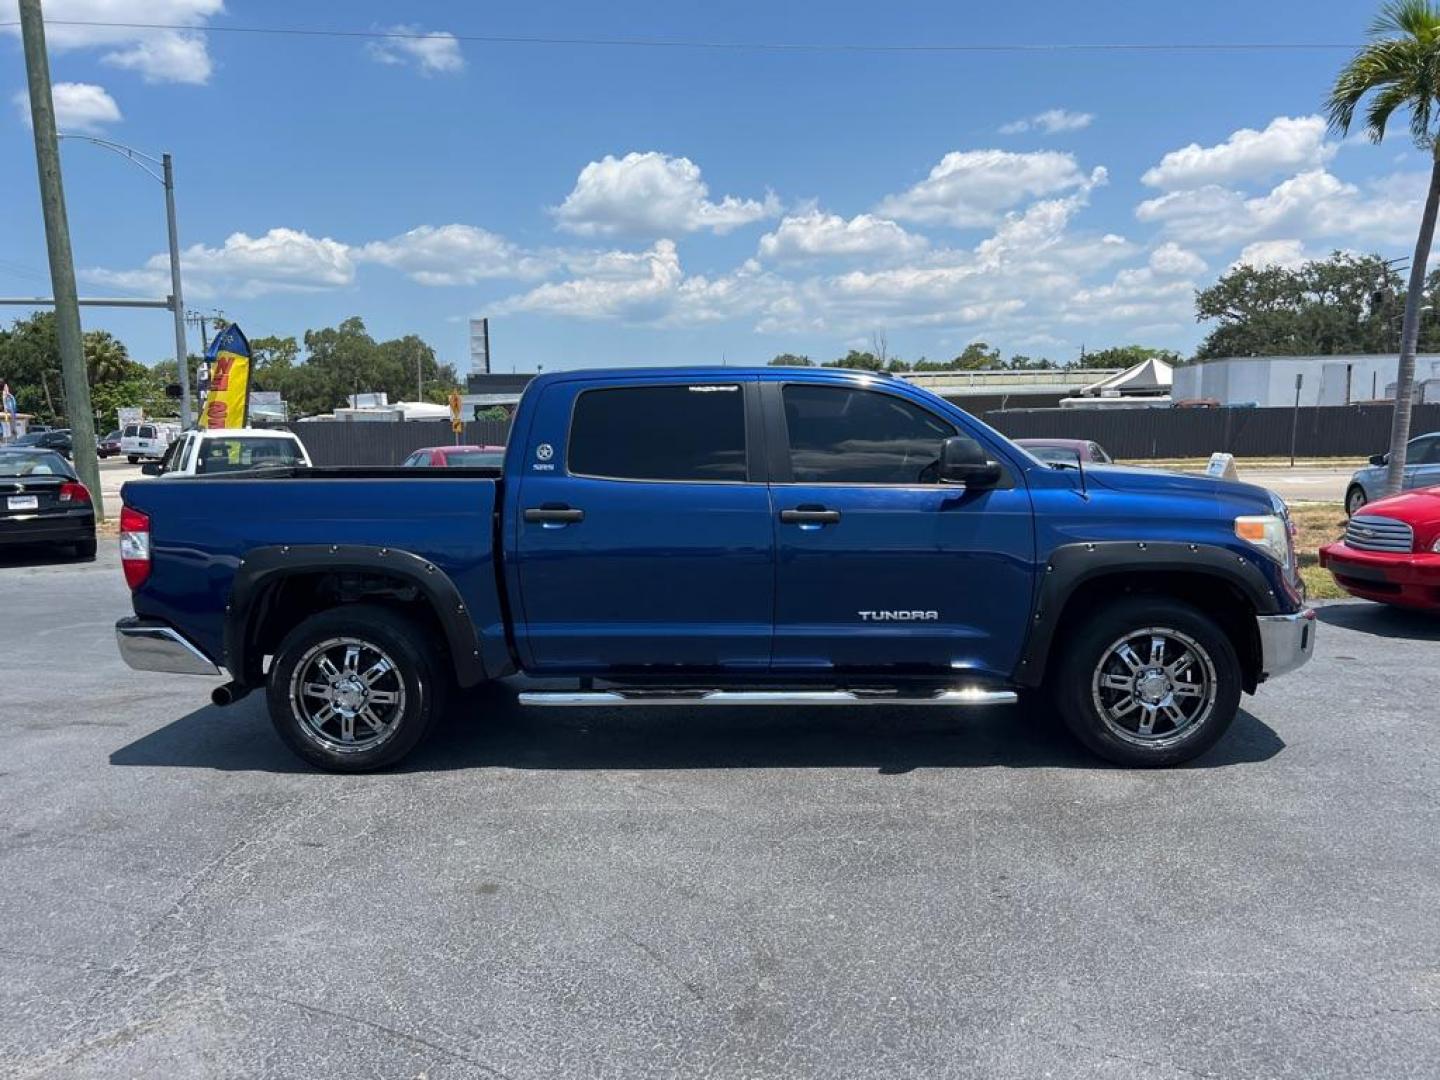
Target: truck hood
{"type": "Point", "coordinates": [1142, 480]}
{"type": "Point", "coordinates": [1419, 507]}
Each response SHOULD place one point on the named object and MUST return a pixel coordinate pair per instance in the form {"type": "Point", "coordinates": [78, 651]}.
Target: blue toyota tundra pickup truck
{"type": "Point", "coordinates": [720, 536]}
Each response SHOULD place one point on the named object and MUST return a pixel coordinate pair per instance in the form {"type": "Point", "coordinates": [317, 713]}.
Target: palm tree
{"type": "Point", "coordinates": [107, 358]}
{"type": "Point", "coordinates": [1401, 68]}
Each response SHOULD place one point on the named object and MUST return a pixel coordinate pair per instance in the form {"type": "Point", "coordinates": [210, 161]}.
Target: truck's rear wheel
{"type": "Point", "coordinates": [1149, 681]}
{"type": "Point", "coordinates": [351, 689]}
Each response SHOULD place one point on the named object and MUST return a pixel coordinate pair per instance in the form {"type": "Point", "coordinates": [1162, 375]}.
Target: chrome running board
{"type": "Point", "coordinates": [969, 695]}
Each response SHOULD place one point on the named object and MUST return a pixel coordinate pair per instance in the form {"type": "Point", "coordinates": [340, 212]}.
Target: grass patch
{"type": "Point", "coordinates": [1317, 524]}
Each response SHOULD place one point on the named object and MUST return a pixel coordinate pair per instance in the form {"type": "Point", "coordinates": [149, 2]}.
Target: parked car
{"type": "Point", "coordinates": [56, 439]}
{"type": "Point", "coordinates": [209, 451]}
{"type": "Point", "coordinates": [1391, 551]}
{"type": "Point", "coordinates": [146, 439]}
{"type": "Point", "coordinates": [108, 445]}
{"type": "Point", "coordinates": [42, 501]}
{"type": "Point", "coordinates": [456, 457]}
{"type": "Point", "coordinates": [1422, 469]}
{"type": "Point", "coordinates": [713, 536]}
{"type": "Point", "coordinates": [1066, 451]}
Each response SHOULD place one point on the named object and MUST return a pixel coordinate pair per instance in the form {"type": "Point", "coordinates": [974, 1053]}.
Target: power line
{"type": "Point", "coordinates": [734, 46]}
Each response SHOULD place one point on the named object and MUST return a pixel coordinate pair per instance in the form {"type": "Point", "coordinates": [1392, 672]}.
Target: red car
{"type": "Point", "coordinates": [455, 457]}
{"type": "Point", "coordinates": [1391, 551]}
{"type": "Point", "coordinates": [1067, 451]}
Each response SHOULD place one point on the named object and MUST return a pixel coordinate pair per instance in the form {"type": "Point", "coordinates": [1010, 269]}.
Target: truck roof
{"type": "Point", "coordinates": [703, 371]}
{"type": "Point", "coordinates": [247, 431]}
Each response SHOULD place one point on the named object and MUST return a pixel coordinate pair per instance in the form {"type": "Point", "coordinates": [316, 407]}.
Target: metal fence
{"type": "Point", "coordinates": [367, 442]}
{"type": "Point", "coordinates": [1323, 431]}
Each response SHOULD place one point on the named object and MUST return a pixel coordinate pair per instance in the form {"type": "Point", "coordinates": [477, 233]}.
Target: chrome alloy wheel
{"type": "Point", "coordinates": [1153, 686]}
{"type": "Point", "coordinates": [341, 681]}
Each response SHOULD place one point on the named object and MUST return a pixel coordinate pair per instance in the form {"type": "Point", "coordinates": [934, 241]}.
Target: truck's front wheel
{"type": "Point", "coordinates": [351, 690]}
{"type": "Point", "coordinates": [1148, 681]}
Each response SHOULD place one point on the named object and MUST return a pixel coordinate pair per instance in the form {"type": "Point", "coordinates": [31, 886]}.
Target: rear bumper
{"type": "Point", "coordinates": [1411, 580]}
{"type": "Point", "coordinates": [1286, 642]}
{"type": "Point", "coordinates": [152, 646]}
{"type": "Point", "coordinates": [48, 528]}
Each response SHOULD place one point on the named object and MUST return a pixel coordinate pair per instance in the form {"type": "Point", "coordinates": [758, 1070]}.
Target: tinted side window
{"type": "Point", "coordinates": [1424, 452]}
{"type": "Point", "coordinates": [840, 435]}
{"type": "Point", "coordinates": [660, 433]}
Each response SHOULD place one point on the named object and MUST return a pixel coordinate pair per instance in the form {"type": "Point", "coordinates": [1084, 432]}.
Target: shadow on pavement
{"type": "Point", "coordinates": [1381, 620]}
{"type": "Point", "coordinates": [492, 730]}
{"type": "Point", "coordinates": [23, 555]}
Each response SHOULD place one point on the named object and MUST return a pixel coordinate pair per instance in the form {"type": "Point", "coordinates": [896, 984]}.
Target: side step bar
{"type": "Point", "coordinates": [958, 696]}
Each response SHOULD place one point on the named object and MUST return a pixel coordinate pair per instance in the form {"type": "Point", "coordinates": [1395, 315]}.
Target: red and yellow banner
{"type": "Point", "coordinates": [227, 403]}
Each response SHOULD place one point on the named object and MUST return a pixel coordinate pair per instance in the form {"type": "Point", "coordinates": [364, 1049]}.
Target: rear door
{"type": "Point", "coordinates": [879, 567]}
{"type": "Point", "coordinates": [644, 536]}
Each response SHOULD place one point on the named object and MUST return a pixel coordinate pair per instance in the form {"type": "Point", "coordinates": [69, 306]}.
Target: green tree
{"type": "Point", "coordinates": [1398, 70]}
{"type": "Point", "coordinates": [1343, 304]}
{"type": "Point", "coordinates": [106, 359]}
{"type": "Point", "coordinates": [857, 361]}
{"type": "Point", "coordinates": [1125, 356]}
{"type": "Point", "coordinates": [791, 360]}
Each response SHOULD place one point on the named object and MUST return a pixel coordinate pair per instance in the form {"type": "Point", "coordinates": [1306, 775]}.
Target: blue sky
{"type": "Point", "coordinates": [610, 205]}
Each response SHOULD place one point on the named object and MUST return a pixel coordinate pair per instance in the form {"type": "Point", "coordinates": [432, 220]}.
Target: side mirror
{"type": "Point", "coordinates": [963, 461]}
{"type": "Point", "coordinates": [1379, 459]}
{"type": "Point", "coordinates": [150, 468]}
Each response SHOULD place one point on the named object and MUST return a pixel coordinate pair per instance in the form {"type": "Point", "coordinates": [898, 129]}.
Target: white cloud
{"type": "Point", "coordinates": [1050, 122]}
{"type": "Point", "coordinates": [815, 234]}
{"type": "Point", "coordinates": [1310, 204]}
{"type": "Point", "coordinates": [1287, 254]}
{"type": "Point", "coordinates": [1172, 259]}
{"type": "Point", "coordinates": [970, 188]}
{"type": "Point", "coordinates": [282, 260]}
{"type": "Point", "coordinates": [1286, 145]}
{"type": "Point", "coordinates": [434, 52]}
{"type": "Point", "coordinates": [613, 285]}
{"type": "Point", "coordinates": [170, 55]}
{"type": "Point", "coordinates": [452, 255]}
{"type": "Point", "coordinates": [652, 194]}
{"type": "Point", "coordinates": [78, 107]}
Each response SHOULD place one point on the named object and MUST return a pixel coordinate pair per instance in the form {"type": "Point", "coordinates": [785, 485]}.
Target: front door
{"type": "Point", "coordinates": [879, 566]}
{"type": "Point", "coordinates": [645, 538]}
{"type": "Point", "coordinates": [1422, 462]}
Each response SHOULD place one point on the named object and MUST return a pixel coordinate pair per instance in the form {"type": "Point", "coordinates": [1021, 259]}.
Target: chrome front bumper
{"type": "Point", "coordinates": [152, 646]}
{"type": "Point", "coordinates": [1286, 642]}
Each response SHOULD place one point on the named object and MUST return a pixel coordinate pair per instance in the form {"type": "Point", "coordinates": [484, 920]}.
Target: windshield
{"type": "Point", "coordinates": [470, 459]}
{"type": "Point", "coordinates": [237, 453]}
{"type": "Point", "coordinates": [1055, 455]}
{"type": "Point", "coordinates": [33, 463]}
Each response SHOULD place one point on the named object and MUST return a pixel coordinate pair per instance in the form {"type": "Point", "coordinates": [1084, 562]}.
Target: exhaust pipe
{"type": "Point", "coordinates": [228, 694]}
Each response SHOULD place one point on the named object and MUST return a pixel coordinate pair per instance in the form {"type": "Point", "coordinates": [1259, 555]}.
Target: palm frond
{"type": "Point", "coordinates": [1401, 71]}
{"type": "Point", "coordinates": [1419, 19]}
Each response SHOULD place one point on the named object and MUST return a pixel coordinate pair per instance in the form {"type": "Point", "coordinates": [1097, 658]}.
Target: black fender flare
{"type": "Point", "coordinates": [263, 567]}
{"type": "Point", "coordinates": [1071, 565]}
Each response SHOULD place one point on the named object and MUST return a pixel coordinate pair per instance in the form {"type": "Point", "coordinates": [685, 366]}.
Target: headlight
{"type": "Point", "coordinates": [1269, 532]}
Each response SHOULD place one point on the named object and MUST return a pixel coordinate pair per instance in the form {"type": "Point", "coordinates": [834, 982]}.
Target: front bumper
{"type": "Point", "coordinates": [1409, 580]}
{"type": "Point", "coordinates": [1286, 642]}
{"type": "Point", "coordinates": [151, 646]}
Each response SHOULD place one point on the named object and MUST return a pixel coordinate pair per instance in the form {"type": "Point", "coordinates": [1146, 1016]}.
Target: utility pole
{"type": "Point", "coordinates": [57, 241]}
{"type": "Point", "coordinates": [176, 300]}
{"type": "Point", "coordinates": [419, 379]}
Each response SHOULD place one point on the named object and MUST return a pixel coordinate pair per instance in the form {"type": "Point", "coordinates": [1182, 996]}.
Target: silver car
{"type": "Point", "coordinates": [1422, 469]}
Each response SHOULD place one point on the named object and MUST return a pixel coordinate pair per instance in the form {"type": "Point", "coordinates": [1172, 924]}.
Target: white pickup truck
{"type": "Point", "coordinates": [222, 450]}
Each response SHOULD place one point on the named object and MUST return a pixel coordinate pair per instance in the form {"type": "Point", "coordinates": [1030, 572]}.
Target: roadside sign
{"type": "Point", "coordinates": [1223, 466]}
{"type": "Point", "coordinates": [454, 407]}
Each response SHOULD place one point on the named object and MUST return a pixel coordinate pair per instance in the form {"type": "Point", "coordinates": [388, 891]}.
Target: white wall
{"type": "Point", "coordinates": [1270, 380]}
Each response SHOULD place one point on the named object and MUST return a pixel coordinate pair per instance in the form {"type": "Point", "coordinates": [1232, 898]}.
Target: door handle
{"type": "Point", "coordinates": [809, 515]}
{"type": "Point", "coordinates": [552, 516]}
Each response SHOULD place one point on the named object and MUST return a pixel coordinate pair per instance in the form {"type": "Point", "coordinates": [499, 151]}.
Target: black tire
{"type": "Point", "coordinates": [132, 458]}
{"type": "Point", "coordinates": [417, 679]}
{"type": "Point", "coordinates": [1091, 654]}
{"type": "Point", "coordinates": [1355, 500]}
{"type": "Point", "coordinates": [85, 549]}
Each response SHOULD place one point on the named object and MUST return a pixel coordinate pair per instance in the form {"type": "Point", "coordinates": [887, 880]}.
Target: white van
{"type": "Point", "coordinates": [146, 439]}
{"type": "Point", "coordinates": [222, 450]}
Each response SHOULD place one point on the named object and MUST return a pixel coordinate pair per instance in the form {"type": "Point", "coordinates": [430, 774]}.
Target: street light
{"type": "Point", "coordinates": [166, 178]}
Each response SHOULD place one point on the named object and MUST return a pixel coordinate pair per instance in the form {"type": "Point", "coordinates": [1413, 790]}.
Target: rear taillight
{"type": "Point", "coordinates": [134, 546]}
{"type": "Point", "coordinates": [74, 493]}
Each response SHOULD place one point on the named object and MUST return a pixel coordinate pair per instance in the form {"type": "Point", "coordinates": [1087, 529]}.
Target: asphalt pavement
{"type": "Point", "coordinates": [738, 893]}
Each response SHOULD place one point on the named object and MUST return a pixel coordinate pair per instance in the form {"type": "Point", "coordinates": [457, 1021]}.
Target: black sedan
{"type": "Point", "coordinates": [56, 439]}
{"type": "Point", "coordinates": [42, 501]}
